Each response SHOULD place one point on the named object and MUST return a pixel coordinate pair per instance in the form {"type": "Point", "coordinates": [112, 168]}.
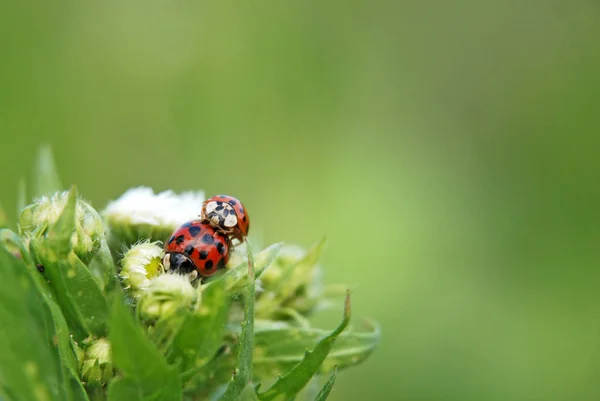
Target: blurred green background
{"type": "Point", "coordinates": [448, 150]}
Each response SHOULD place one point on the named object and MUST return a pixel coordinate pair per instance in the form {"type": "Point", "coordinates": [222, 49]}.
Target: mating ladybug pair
{"type": "Point", "coordinates": [201, 247]}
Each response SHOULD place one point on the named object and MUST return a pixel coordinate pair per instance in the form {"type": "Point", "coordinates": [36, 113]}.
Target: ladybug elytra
{"type": "Point", "coordinates": [196, 248]}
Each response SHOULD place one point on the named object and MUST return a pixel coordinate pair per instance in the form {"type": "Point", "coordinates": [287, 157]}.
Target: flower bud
{"type": "Point", "coordinates": [38, 219]}
{"type": "Point", "coordinates": [292, 282]}
{"type": "Point", "coordinates": [165, 295]}
{"type": "Point", "coordinates": [140, 263]}
{"type": "Point", "coordinates": [12, 243]}
{"type": "Point", "coordinates": [97, 367]}
{"type": "Point", "coordinates": [140, 214]}
{"type": "Point", "coordinates": [288, 255]}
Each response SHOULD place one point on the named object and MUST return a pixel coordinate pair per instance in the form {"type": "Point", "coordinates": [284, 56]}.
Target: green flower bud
{"type": "Point", "coordinates": [140, 214]}
{"type": "Point", "coordinates": [288, 255]}
{"type": "Point", "coordinates": [37, 219]}
{"type": "Point", "coordinates": [165, 295]}
{"type": "Point", "coordinates": [309, 293]}
{"type": "Point", "coordinates": [141, 263]}
{"type": "Point", "coordinates": [291, 283]}
{"type": "Point", "coordinates": [97, 367]}
{"type": "Point", "coordinates": [12, 243]}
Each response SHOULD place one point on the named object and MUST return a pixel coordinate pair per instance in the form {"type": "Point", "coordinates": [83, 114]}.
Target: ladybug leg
{"type": "Point", "coordinates": [239, 237]}
{"type": "Point", "coordinates": [193, 275]}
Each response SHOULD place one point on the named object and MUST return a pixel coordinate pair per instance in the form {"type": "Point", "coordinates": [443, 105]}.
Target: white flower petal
{"type": "Point", "coordinates": [141, 206]}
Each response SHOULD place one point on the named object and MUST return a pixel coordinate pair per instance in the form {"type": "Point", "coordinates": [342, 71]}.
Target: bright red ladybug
{"type": "Point", "coordinates": [196, 248]}
{"type": "Point", "coordinates": [227, 214]}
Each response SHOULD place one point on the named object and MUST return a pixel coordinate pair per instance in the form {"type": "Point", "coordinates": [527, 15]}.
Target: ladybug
{"type": "Point", "coordinates": [196, 248]}
{"type": "Point", "coordinates": [228, 215]}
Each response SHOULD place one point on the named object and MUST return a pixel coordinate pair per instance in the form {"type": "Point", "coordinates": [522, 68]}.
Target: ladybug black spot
{"type": "Point", "coordinates": [208, 265]}
{"type": "Point", "coordinates": [179, 240]}
{"type": "Point", "coordinates": [244, 218]}
{"type": "Point", "coordinates": [219, 203]}
{"type": "Point", "coordinates": [232, 202]}
{"type": "Point", "coordinates": [188, 224]}
{"type": "Point", "coordinates": [207, 239]}
{"type": "Point", "coordinates": [219, 208]}
{"type": "Point", "coordinates": [241, 210]}
{"type": "Point", "coordinates": [225, 212]}
{"type": "Point", "coordinates": [189, 250]}
{"type": "Point", "coordinates": [220, 248]}
{"type": "Point", "coordinates": [194, 230]}
{"type": "Point", "coordinates": [203, 255]}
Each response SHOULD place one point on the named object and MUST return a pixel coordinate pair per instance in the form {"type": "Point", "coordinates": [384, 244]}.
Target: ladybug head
{"type": "Point", "coordinates": [181, 264]}
{"type": "Point", "coordinates": [220, 214]}
{"type": "Point", "coordinates": [215, 220]}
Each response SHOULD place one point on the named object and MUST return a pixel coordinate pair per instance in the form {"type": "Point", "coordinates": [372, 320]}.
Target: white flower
{"type": "Point", "coordinates": [140, 263]}
{"type": "Point", "coordinates": [142, 206]}
{"type": "Point", "coordinates": [141, 214]}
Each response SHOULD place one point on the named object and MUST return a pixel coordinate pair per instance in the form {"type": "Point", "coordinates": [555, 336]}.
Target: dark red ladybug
{"type": "Point", "coordinates": [196, 248]}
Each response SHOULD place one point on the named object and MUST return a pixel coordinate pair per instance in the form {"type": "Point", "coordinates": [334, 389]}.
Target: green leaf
{"type": "Point", "coordinates": [76, 291]}
{"type": "Point", "coordinates": [236, 278]}
{"type": "Point", "coordinates": [201, 334]}
{"type": "Point", "coordinates": [243, 376]}
{"type": "Point", "coordinates": [53, 272]}
{"type": "Point", "coordinates": [45, 180]}
{"type": "Point", "coordinates": [77, 391]}
{"type": "Point", "coordinates": [322, 396]}
{"type": "Point", "coordinates": [103, 268]}
{"type": "Point", "coordinates": [122, 388]}
{"type": "Point", "coordinates": [63, 339]}
{"type": "Point", "coordinates": [30, 367]}
{"type": "Point", "coordinates": [249, 393]}
{"type": "Point", "coordinates": [278, 347]}
{"type": "Point", "coordinates": [290, 384]}
{"type": "Point", "coordinates": [86, 294]}
{"type": "Point", "coordinates": [145, 372]}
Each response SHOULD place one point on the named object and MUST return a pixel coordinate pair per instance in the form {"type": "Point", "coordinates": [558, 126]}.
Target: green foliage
{"type": "Point", "coordinates": [289, 385]}
{"type": "Point", "coordinates": [280, 346]}
{"type": "Point", "coordinates": [237, 278]}
{"type": "Point", "coordinates": [243, 375]}
{"type": "Point", "coordinates": [71, 330]}
{"type": "Point", "coordinates": [145, 372]}
{"type": "Point", "coordinates": [324, 393]}
{"type": "Point", "coordinates": [201, 334]}
{"type": "Point", "coordinates": [30, 366]}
